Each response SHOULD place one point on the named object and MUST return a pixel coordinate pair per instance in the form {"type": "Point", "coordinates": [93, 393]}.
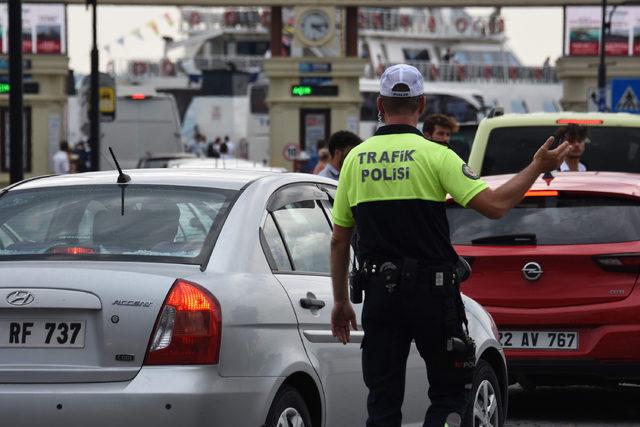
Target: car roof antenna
{"type": "Point", "coordinates": [123, 179]}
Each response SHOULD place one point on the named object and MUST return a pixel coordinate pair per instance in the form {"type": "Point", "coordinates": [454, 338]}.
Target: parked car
{"type": "Point", "coordinates": [213, 163]}
{"type": "Point", "coordinates": [506, 144]}
{"type": "Point", "coordinates": [161, 160]}
{"type": "Point", "coordinates": [559, 274]}
{"type": "Point", "coordinates": [191, 297]}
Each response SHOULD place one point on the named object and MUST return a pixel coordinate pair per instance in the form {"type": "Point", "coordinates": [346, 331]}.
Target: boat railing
{"type": "Point", "coordinates": [432, 25]}
{"type": "Point", "coordinates": [474, 72]}
{"type": "Point", "coordinates": [416, 22]}
{"type": "Point", "coordinates": [241, 63]}
{"type": "Point", "coordinates": [140, 69]}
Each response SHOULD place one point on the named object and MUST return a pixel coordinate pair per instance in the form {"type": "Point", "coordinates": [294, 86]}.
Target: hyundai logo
{"type": "Point", "coordinates": [20, 298]}
{"type": "Point", "coordinates": [532, 271]}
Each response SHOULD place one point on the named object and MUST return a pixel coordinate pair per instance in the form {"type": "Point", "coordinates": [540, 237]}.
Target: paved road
{"type": "Point", "coordinates": [574, 406]}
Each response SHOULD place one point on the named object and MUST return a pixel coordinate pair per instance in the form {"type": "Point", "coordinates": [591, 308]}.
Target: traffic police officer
{"type": "Point", "coordinates": [393, 186]}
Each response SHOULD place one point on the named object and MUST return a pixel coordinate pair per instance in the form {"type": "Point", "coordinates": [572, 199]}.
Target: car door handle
{"type": "Point", "coordinates": [312, 303]}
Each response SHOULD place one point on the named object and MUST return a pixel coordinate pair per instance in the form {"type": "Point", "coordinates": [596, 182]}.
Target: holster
{"type": "Point", "coordinates": [357, 283]}
{"type": "Point", "coordinates": [459, 344]}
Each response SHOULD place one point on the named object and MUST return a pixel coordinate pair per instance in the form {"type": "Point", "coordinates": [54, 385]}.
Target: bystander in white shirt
{"type": "Point", "coordinates": [564, 167]}
{"type": "Point", "coordinates": [60, 162]}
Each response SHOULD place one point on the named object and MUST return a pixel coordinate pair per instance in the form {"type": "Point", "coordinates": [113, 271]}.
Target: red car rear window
{"type": "Point", "coordinates": [561, 220]}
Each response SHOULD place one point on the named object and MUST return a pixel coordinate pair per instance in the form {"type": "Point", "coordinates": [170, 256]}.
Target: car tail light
{"type": "Point", "coordinates": [579, 121]}
{"type": "Point", "coordinates": [541, 193]}
{"type": "Point", "coordinates": [625, 263]}
{"type": "Point", "coordinates": [138, 96]}
{"type": "Point", "coordinates": [188, 328]}
{"type": "Point", "coordinates": [72, 250]}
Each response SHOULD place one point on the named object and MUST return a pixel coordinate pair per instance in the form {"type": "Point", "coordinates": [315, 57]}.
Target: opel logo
{"type": "Point", "coordinates": [20, 298]}
{"type": "Point", "coordinates": [532, 271]}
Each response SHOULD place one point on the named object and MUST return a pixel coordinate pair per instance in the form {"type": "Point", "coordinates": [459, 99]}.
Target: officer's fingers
{"type": "Point", "coordinates": [335, 329]}
{"type": "Point", "coordinates": [354, 323]}
{"type": "Point", "coordinates": [565, 148]}
{"type": "Point", "coordinates": [548, 143]}
{"type": "Point", "coordinates": [562, 148]}
{"type": "Point", "coordinates": [342, 336]}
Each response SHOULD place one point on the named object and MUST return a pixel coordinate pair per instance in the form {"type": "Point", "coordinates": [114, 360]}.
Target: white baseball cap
{"type": "Point", "coordinates": [401, 74]}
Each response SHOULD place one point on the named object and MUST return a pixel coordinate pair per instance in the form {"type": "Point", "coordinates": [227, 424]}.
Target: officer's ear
{"type": "Point", "coordinates": [422, 105]}
{"type": "Point", "coordinates": [380, 105]}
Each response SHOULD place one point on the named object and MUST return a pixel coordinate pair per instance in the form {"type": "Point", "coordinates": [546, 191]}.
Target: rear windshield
{"type": "Point", "coordinates": [510, 149]}
{"type": "Point", "coordinates": [160, 223]}
{"type": "Point", "coordinates": [562, 220]}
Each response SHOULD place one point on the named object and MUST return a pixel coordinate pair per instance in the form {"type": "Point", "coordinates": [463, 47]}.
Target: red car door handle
{"type": "Point", "coordinates": [311, 303]}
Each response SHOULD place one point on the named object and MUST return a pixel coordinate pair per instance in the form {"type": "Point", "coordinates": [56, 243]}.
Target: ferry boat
{"type": "Point", "coordinates": [464, 59]}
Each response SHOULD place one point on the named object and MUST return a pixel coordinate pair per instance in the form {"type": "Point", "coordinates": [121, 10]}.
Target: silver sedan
{"type": "Point", "coordinates": [188, 297]}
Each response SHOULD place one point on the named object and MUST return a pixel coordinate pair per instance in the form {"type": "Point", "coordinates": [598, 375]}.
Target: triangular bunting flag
{"type": "Point", "coordinates": [154, 27]}
{"type": "Point", "coordinates": [138, 33]}
{"type": "Point", "coordinates": [169, 19]}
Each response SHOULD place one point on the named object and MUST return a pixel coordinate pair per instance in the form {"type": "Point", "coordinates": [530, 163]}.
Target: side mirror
{"type": "Point", "coordinates": [463, 269]}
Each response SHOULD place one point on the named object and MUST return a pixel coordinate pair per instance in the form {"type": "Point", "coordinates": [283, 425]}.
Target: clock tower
{"type": "Point", "coordinates": [315, 91]}
{"type": "Point", "coordinates": [315, 26]}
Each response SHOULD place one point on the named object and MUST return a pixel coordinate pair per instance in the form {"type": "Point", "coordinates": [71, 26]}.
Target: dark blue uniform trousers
{"type": "Point", "coordinates": [390, 322]}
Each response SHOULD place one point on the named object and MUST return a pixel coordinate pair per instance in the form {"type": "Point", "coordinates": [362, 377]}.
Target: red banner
{"type": "Point", "coordinates": [49, 39]}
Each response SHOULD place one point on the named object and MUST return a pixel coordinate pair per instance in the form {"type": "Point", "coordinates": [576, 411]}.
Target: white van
{"type": "Point", "coordinates": [144, 124]}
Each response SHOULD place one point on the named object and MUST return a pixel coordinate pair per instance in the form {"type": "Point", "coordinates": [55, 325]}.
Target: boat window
{"type": "Point", "coordinates": [252, 48]}
{"type": "Point", "coordinates": [549, 106]}
{"type": "Point", "coordinates": [519, 106]}
{"type": "Point", "coordinates": [459, 108]}
{"type": "Point", "coordinates": [416, 54]}
{"type": "Point", "coordinates": [512, 60]}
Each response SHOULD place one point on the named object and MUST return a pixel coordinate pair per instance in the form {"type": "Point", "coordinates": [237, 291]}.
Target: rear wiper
{"type": "Point", "coordinates": [507, 239]}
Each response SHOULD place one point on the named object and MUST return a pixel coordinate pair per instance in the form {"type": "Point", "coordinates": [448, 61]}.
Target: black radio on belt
{"type": "Point", "coordinates": [357, 281]}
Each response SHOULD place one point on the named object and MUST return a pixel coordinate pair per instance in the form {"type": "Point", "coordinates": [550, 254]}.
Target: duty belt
{"type": "Point", "coordinates": [408, 272]}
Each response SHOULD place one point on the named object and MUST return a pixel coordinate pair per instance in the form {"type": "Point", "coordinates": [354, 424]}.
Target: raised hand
{"type": "Point", "coordinates": [547, 160]}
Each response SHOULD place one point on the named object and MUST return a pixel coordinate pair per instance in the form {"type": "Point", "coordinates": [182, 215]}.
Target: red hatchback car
{"type": "Point", "coordinates": [559, 275]}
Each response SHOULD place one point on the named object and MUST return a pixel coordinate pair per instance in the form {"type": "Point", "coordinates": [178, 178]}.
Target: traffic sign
{"type": "Point", "coordinates": [290, 151]}
{"type": "Point", "coordinates": [107, 100]}
{"type": "Point", "coordinates": [625, 95]}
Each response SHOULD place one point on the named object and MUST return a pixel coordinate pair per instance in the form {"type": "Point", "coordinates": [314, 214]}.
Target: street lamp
{"type": "Point", "coordinates": [94, 113]}
{"type": "Point", "coordinates": [16, 161]}
{"type": "Point", "coordinates": [602, 67]}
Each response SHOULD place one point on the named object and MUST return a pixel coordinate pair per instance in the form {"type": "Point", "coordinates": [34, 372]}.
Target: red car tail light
{"type": "Point", "coordinates": [624, 263]}
{"type": "Point", "coordinates": [72, 250]}
{"type": "Point", "coordinates": [541, 193]}
{"type": "Point", "coordinates": [188, 329]}
{"type": "Point", "coordinates": [579, 121]}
